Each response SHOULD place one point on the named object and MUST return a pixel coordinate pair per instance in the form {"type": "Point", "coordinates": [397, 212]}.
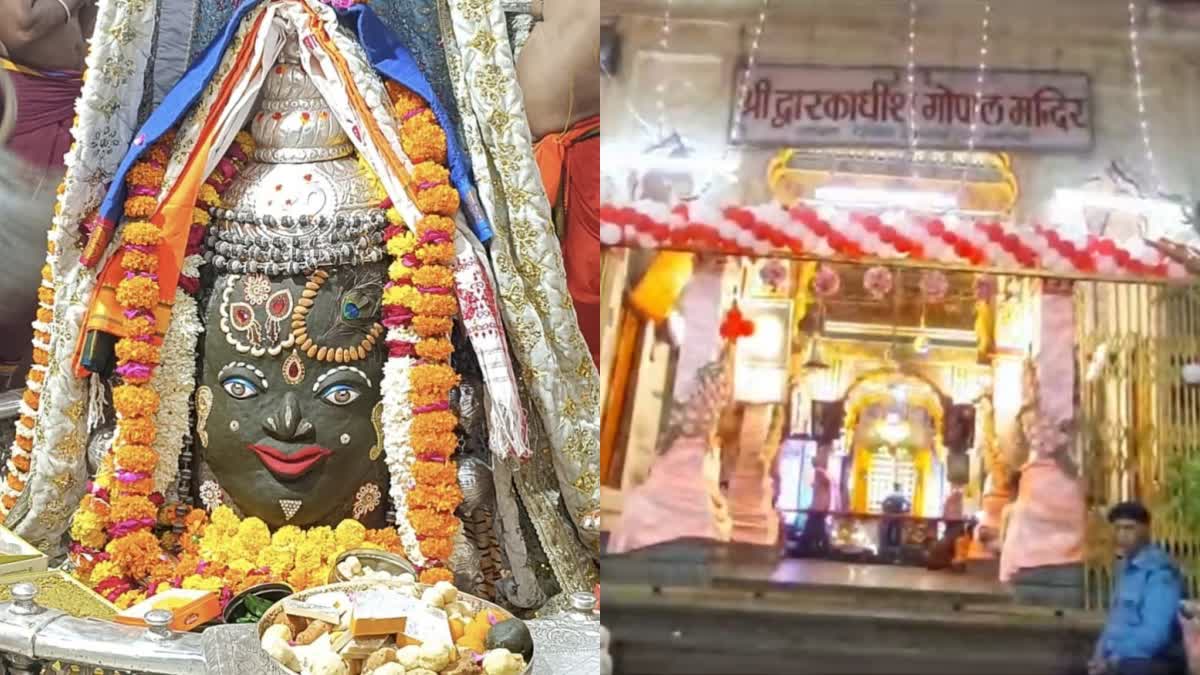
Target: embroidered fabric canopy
{"type": "Point", "coordinates": [828, 232]}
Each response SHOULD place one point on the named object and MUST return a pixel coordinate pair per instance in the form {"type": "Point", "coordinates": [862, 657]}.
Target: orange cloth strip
{"type": "Point", "coordinates": [174, 216]}
{"type": "Point", "coordinates": [551, 155]}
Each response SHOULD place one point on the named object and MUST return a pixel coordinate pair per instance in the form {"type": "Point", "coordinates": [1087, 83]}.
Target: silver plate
{"type": "Point", "coordinates": [476, 605]}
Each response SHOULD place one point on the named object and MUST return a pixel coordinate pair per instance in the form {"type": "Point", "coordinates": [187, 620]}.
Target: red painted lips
{"type": "Point", "coordinates": [294, 465]}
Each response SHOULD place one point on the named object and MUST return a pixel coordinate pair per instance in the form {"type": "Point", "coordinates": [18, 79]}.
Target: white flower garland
{"type": "Point", "coordinates": [175, 380]}
{"type": "Point", "coordinates": [398, 450]}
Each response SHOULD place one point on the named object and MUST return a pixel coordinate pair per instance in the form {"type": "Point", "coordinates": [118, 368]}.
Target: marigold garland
{"type": "Point", "coordinates": [422, 284]}
{"type": "Point", "coordinates": [118, 516]}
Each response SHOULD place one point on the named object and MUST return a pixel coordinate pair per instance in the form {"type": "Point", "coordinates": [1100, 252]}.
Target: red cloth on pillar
{"type": "Point", "coordinates": [45, 113]}
{"type": "Point", "coordinates": [570, 168]}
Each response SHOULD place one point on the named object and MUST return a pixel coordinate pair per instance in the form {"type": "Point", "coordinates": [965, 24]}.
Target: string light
{"type": "Point", "coordinates": [984, 29]}
{"type": "Point", "coordinates": [739, 109]}
{"type": "Point", "coordinates": [912, 86]}
{"type": "Point", "coordinates": [664, 45]}
{"type": "Point", "coordinates": [1143, 119]}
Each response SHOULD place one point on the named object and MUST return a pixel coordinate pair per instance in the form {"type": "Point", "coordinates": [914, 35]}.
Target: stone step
{"type": "Point", "coordinates": [711, 631]}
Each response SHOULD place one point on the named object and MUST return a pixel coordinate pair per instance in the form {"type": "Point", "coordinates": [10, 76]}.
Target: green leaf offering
{"type": "Point", "coordinates": [255, 608]}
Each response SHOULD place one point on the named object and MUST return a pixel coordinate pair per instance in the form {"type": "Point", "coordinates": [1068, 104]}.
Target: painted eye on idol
{"type": "Point", "coordinates": [239, 388]}
{"type": "Point", "coordinates": [340, 394]}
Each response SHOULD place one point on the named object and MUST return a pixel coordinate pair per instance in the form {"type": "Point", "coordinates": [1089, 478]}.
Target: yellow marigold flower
{"type": "Point", "coordinates": [349, 534]}
{"type": "Point", "coordinates": [393, 295]}
{"type": "Point", "coordinates": [140, 206]}
{"type": "Point", "coordinates": [208, 196]}
{"type": "Point", "coordinates": [142, 233]}
{"type": "Point", "coordinates": [393, 216]}
{"type": "Point", "coordinates": [402, 244]}
{"type": "Point", "coordinates": [398, 271]}
{"type": "Point", "coordinates": [129, 599]}
{"type": "Point", "coordinates": [196, 582]}
{"type": "Point", "coordinates": [224, 519]}
{"type": "Point", "coordinates": [253, 535]}
{"type": "Point", "coordinates": [287, 537]}
{"type": "Point", "coordinates": [201, 217]}
{"type": "Point", "coordinates": [88, 529]}
{"type": "Point", "coordinates": [105, 569]}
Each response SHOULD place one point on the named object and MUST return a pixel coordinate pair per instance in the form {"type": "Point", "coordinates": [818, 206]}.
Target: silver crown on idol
{"type": "Point", "coordinates": [302, 202]}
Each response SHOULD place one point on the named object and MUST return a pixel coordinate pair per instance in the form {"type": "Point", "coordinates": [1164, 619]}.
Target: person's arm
{"type": "Point", "coordinates": [559, 68]}
{"type": "Point", "coordinates": [1160, 604]}
{"type": "Point", "coordinates": [23, 22]}
{"type": "Point", "coordinates": [87, 18]}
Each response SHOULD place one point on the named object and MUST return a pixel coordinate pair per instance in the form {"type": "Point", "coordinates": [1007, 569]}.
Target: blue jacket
{"type": "Point", "coordinates": [1142, 623]}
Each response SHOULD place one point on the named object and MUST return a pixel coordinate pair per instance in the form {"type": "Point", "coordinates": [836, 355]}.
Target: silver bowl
{"type": "Point", "coordinates": [476, 604]}
{"type": "Point", "coordinates": [375, 559]}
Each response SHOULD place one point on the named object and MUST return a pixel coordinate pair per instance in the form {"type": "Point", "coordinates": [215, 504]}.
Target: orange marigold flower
{"type": "Point", "coordinates": [435, 574]}
{"type": "Point", "coordinates": [14, 482]}
{"type": "Point", "coordinates": [10, 502]}
{"type": "Point", "coordinates": [423, 140]}
{"type": "Point", "coordinates": [404, 100]}
{"type": "Point", "coordinates": [442, 444]}
{"type": "Point", "coordinates": [41, 336]}
{"type": "Point", "coordinates": [444, 497]}
{"type": "Point", "coordinates": [134, 400]}
{"type": "Point", "coordinates": [138, 293]}
{"type": "Point", "coordinates": [434, 304]}
{"type": "Point", "coordinates": [439, 422]}
{"type": "Point", "coordinates": [159, 154]}
{"type": "Point", "coordinates": [434, 275]}
{"type": "Point", "coordinates": [432, 326]}
{"type": "Point", "coordinates": [387, 538]}
{"type": "Point", "coordinates": [135, 350]}
{"type": "Point", "coordinates": [41, 357]}
{"type": "Point", "coordinates": [140, 458]}
{"type": "Point", "coordinates": [21, 462]}
{"type": "Point", "coordinates": [140, 206]}
{"type": "Point", "coordinates": [434, 377]}
{"type": "Point", "coordinates": [141, 487]}
{"type": "Point", "coordinates": [430, 174]}
{"type": "Point", "coordinates": [139, 261]}
{"type": "Point", "coordinates": [440, 199]}
{"type": "Point", "coordinates": [45, 295]}
{"type": "Point", "coordinates": [24, 443]}
{"type": "Point", "coordinates": [136, 553]}
{"type": "Point", "coordinates": [47, 273]}
{"type": "Point", "coordinates": [435, 349]}
{"type": "Point", "coordinates": [428, 473]}
{"type": "Point", "coordinates": [430, 523]}
{"type": "Point", "coordinates": [138, 431]}
{"type": "Point", "coordinates": [142, 233]}
{"type": "Point", "coordinates": [45, 315]}
{"type": "Point", "coordinates": [132, 508]}
{"type": "Point", "coordinates": [141, 326]}
{"type": "Point", "coordinates": [31, 399]}
{"type": "Point", "coordinates": [437, 548]}
{"type": "Point", "coordinates": [436, 253]}
{"type": "Point", "coordinates": [145, 174]}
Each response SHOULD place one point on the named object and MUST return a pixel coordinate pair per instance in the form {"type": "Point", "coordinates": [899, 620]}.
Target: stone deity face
{"type": "Point", "coordinates": [291, 373]}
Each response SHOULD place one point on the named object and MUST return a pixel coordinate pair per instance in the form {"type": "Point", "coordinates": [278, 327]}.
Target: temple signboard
{"type": "Point", "coordinates": [799, 105]}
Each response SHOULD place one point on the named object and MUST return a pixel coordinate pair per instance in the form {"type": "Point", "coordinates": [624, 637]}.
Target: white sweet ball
{"type": "Point", "coordinates": [503, 662]}
{"type": "Point", "coordinates": [390, 669]}
{"type": "Point", "coordinates": [432, 597]}
{"type": "Point", "coordinates": [277, 632]}
{"type": "Point", "coordinates": [326, 663]}
{"type": "Point", "coordinates": [409, 656]}
{"type": "Point", "coordinates": [436, 655]}
{"type": "Point", "coordinates": [448, 591]}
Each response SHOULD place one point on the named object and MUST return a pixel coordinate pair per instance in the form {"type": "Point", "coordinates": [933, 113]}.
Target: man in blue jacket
{"type": "Point", "coordinates": [1142, 636]}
